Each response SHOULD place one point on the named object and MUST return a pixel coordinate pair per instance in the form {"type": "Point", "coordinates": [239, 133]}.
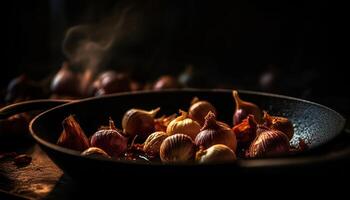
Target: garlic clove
{"type": "Point", "coordinates": [177, 148]}
{"type": "Point", "coordinates": [244, 108]}
{"type": "Point", "coordinates": [73, 136]}
{"type": "Point", "coordinates": [218, 153]}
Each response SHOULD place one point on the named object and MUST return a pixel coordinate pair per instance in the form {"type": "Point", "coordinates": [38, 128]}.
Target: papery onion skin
{"type": "Point", "coordinates": [269, 143]}
{"type": "Point", "coordinates": [218, 153]}
{"type": "Point", "coordinates": [73, 136]}
{"type": "Point", "coordinates": [246, 130]}
{"type": "Point", "coordinates": [177, 148]}
{"type": "Point", "coordinates": [161, 124]}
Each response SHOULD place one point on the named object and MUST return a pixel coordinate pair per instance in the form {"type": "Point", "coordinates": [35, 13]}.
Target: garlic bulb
{"type": "Point", "coordinates": [73, 136]}
{"type": "Point", "coordinates": [214, 132]}
{"type": "Point", "coordinates": [177, 148]}
{"type": "Point", "coordinates": [153, 142]}
{"type": "Point", "coordinates": [216, 154]}
{"type": "Point", "coordinates": [139, 122]}
{"type": "Point", "coordinates": [183, 125]}
{"type": "Point", "coordinates": [200, 109]}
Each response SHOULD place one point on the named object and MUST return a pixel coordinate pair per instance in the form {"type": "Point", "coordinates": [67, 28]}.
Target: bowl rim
{"type": "Point", "coordinates": [294, 160]}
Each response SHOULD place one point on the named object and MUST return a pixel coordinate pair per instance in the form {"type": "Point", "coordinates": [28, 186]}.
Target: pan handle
{"type": "Point", "coordinates": [32, 105]}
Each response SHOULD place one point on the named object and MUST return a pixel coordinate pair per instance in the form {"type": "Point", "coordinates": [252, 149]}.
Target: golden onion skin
{"type": "Point", "coordinates": [183, 125]}
{"type": "Point", "coordinates": [139, 122]}
{"type": "Point", "coordinates": [200, 109]}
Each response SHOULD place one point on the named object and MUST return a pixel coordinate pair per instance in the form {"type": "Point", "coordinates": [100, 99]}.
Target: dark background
{"type": "Point", "coordinates": [231, 45]}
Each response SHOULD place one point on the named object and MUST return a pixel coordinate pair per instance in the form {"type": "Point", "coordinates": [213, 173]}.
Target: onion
{"type": "Point", "coordinates": [216, 154]}
{"type": "Point", "coordinates": [110, 140]}
{"type": "Point", "coordinates": [214, 132]}
{"type": "Point", "coordinates": [139, 122]}
{"type": "Point", "coordinates": [166, 82]}
{"type": "Point", "coordinates": [177, 148]}
{"type": "Point", "coordinates": [66, 82]}
{"type": "Point", "coordinates": [200, 109]}
{"type": "Point", "coordinates": [153, 142]}
{"type": "Point", "coordinates": [111, 82]}
{"type": "Point", "coordinates": [269, 143]}
{"type": "Point", "coordinates": [184, 125]}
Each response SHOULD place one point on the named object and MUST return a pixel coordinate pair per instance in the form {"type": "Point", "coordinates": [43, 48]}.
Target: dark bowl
{"type": "Point", "coordinates": [314, 123]}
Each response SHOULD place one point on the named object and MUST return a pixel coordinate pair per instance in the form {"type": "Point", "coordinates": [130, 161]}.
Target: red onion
{"type": "Point", "coordinates": [279, 123]}
{"type": "Point", "coordinates": [110, 140]}
{"type": "Point", "coordinates": [214, 132]}
{"type": "Point", "coordinates": [269, 143]}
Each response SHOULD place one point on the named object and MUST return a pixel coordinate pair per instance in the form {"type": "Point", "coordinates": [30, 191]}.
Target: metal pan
{"type": "Point", "coordinates": [313, 122]}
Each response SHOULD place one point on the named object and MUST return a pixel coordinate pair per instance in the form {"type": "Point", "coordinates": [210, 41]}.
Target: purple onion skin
{"type": "Point", "coordinates": [269, 143]}
{"type": "Point", "coordinates": [210, 137]}
{"type": "Point", "coordinates": [111, 141]}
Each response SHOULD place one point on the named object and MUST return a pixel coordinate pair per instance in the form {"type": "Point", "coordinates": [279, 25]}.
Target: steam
{"type": "Point", "coordinates": [90, 47]}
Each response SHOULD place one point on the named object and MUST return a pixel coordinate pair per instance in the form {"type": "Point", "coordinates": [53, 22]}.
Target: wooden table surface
{"type": "Point", "coordinates": [41, 179]}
